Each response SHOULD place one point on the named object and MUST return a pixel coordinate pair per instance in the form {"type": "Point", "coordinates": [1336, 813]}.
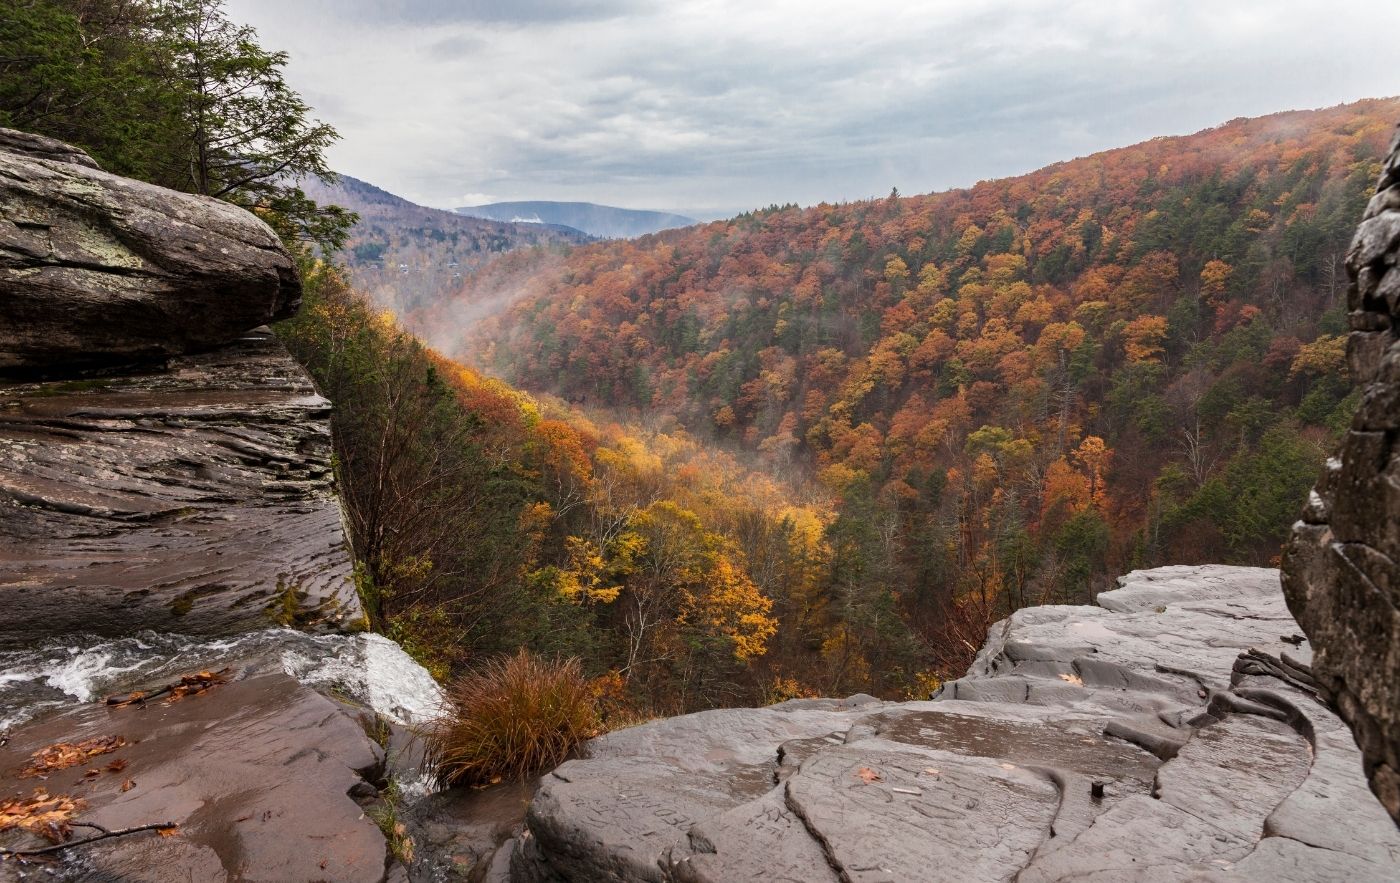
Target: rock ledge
{"type": "Point", "coordinates": [1169, 734]}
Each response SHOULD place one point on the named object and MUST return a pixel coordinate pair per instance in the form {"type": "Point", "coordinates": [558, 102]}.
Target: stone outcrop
{"type": "Point", "coordinates": [97, 269]}
{"type": "Point", "coordinates": [198, 500]}
{"type": "Point", "coordinates": [165, 472]}
{"type": "Point", "coordinates": [257, 775]}
{"type": "Point", "coordinates": [40, 147]}
{"type": "Point", "coordinates": [1169, 734]}
{"type": "Point", "coordinates": [276, 774]}
{"type": "Point", "coordinates": [1340, 572]}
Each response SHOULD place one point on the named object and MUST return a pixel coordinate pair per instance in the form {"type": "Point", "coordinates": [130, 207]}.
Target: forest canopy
{"type": "Point", "coordinates": [1012, 393]}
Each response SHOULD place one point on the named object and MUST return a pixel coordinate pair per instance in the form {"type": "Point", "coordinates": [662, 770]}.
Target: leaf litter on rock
{"type": "Point", "coordinates": [62, 755]}
{"type": "Point", "coordinates": [48, 815]}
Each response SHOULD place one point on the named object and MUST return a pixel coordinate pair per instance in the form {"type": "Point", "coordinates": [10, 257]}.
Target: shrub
{"type": "Point", "coordinates": [511, 717]}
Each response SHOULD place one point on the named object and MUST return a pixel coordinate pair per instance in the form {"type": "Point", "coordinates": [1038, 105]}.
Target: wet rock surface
{"type": "Point", "coordinates": [197, 500]}
{"type": "Point", "coordinates": [1340, 571]}
{"type": "Point", "coordinates": [1170, 733]}
{"type": "Point", "coordinates": [257, 775]}
{"type": "Point", "coordinates": [97, 269]}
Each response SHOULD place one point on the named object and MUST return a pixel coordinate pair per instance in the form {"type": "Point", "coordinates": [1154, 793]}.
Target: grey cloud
{"type": "Point", "coordinates": [747, 102]}
{"type": "Point", "coordinates": [436, 12]}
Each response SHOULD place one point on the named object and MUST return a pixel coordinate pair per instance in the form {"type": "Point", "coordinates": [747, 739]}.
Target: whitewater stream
{"type": "Point", "coordinates": [368, 668]}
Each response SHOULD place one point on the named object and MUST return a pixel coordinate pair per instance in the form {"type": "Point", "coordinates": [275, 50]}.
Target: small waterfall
{"type": "Point", "coordinates": [369, 668]}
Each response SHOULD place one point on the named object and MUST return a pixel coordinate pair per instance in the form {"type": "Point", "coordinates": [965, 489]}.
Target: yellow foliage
{"type": "Point", "coordinates": [1142, 338]}
{"type": "Point", "coordinates": [1324, 356]}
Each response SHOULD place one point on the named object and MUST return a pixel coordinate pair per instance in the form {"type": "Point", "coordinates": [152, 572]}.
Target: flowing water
{"type": "Point", "coordinates": [370, 669]}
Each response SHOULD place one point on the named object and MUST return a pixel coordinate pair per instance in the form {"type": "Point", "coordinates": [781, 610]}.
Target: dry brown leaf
{"type": "Point", "coordinates": [128, 785]}
{"type": "Point", "coordinates": [128, 699]}
{"type": "Point", "coordinates": [867, 775]}
{"type": "Point", "coordinates": [61, 755]}
{"type": "Point", "coordinates": [117, 765]}
{"type": "Point", "coordinates": [49, 816]}
{"type": "Point", "coordinates": [168, 832]}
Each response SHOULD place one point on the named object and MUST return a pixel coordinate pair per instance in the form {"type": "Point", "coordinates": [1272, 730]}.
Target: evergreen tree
{"type": "Point", "coordinates": [171, 92]}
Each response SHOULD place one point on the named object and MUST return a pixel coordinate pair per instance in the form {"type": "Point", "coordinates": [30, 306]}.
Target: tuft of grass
{"type": "Point", "coordinates": [386, 816]}
{"type": "Point", "coordinates": [512, 717]}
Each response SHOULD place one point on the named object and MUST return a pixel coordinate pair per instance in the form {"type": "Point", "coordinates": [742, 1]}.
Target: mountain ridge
{"type": "Point", "coordinates": [594, 219]}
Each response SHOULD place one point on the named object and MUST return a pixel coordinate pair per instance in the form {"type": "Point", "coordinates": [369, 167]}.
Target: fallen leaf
{"type": "Point", "coordinates": [1072, 679]}
{"type": "Point", "coordinates": [867, 775]}
{"type": "Point", "coordinates": [49, 816]}
{"type": "Point", "coordinates": [188, 685]}
{"type": "Point", "coordinates": [931, 771]}
{"type": "Point", "coordinates": [168, 832]}
{"type": "Point", "coordinates": [128, 785]}
{"type": "Point", "coordinates": [92, 773]}
{"type": "Point", "coordinates": [117, 765]}
{"type": "Point", "coordinates": [61, 755]}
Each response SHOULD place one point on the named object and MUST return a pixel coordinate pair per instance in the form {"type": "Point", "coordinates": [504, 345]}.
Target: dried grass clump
{"type": "Point", "coordinates": [512, 717]}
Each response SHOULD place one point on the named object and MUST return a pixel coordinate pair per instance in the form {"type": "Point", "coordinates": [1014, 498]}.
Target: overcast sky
{"type": "Point", "coordinates": [715, 106]}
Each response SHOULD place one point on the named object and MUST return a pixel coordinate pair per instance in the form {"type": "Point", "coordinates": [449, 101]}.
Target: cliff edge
{"type": "Point", "coordinates": [1340, 572]}
{"type": "Point", "coordinates": [175, 474]}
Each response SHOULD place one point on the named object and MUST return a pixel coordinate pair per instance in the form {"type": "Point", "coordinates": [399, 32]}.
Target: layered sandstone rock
{"type": "Point", "coordinates": [198, 500]}
{"type": "Point", "coordinates": [97, 269]}
{"type": "Point", "coordinates": [1340, 572]}
{"type": "Point", "coordinates": [1170, 734]}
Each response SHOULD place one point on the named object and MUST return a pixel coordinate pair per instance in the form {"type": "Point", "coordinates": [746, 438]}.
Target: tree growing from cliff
{"type": "Point", "coordinates": [247, 136]}
{"type": "Point", "coordinates": [171, 92]}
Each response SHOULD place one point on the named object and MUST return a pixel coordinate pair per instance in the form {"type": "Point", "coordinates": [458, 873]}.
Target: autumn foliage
{"type": "Point", "coordinates": [1004, 395]}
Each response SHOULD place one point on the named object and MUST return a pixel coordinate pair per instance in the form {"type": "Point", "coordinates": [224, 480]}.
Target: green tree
{"type": "Point", "coordinates": [171, 92]}
{"type": "Point", "coordinates": [247, 136]}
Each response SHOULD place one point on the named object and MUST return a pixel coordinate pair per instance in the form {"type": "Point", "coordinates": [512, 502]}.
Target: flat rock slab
{"type": "Point", "coordinates": [1167, 735]}
{"type": "Point", "coordinates": [256, 774]}
{"type": "Point", "coordinates": [197, 500]}
{"type": "Point", "coordinates": [97, 269]}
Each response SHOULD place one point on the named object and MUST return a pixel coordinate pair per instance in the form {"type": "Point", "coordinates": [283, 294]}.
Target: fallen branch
{"type": "Point", "coordinates": [189, 685]}
{"type": "Point", "coordinates": [103, 835]}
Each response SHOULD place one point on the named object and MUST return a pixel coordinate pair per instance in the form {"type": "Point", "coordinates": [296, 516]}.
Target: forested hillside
{"type": "Point", "coordinates": [1013, 391]}
{"type": "Point", "coordinates": [486, 519]}
{"type": "Point", "coordinates": [404, 255]}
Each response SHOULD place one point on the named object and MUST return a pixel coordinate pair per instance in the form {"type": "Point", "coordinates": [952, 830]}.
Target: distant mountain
{"type": "Point", "coordinates": [605, 221]}
{"type": "Point", "coordinates": [404, 254]}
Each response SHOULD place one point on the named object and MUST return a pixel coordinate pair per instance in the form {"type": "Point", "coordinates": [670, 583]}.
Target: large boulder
{"type": "Point", "coordinates": [1341, 571]}
{"type": "Point", "coordinates": [97, 269]}
{"type": "Point", "coordinates": [199, 500]}
{"type": "Point", "coordinates": [1169, 734]}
